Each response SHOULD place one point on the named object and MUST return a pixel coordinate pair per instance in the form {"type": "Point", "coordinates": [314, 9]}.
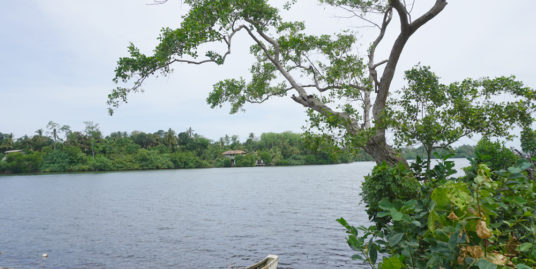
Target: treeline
{"type": "Point", "coordinates": [463, 151]}
{"type": "Point", "coordinates": [60, 149]}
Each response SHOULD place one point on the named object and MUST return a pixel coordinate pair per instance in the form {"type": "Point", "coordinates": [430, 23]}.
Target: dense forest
{"type": "Point", "coordinates": [60, 149]}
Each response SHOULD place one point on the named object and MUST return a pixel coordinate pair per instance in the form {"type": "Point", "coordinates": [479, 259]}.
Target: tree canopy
{"type": "Point", "coordinates": [436, 115]}
{"type": "Point", "coordinates": [321, 72]}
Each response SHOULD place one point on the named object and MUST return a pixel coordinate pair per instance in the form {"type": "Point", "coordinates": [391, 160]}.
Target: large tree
{"type": "Point", "coordinates": [343, 91]}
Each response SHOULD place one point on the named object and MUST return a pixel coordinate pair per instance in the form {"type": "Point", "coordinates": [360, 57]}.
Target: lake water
{"type": "Point", "coordinates": [201, 218]}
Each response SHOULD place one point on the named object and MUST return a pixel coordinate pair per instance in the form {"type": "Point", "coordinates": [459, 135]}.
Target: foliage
{"type": "Point", "coordinates": [100, 163]}
{"type": "Point", "coordinates": [494, 154]}
{"type": "Point", "coordinates": [411, 153]}
{"type": "Point", "coordinates": [528, 143]}
{"type": "Point", "coordinates": [56, 161]}
{"type": "Point", "coordinates": [436, 115]}
{"type": "Point", "coordinates": [150, 159]}
{"type": "Point", "coordinates": [389, 183]}
{"type": "Point", "coordinates": [21, 163]}
{"type": "Point", "coordinates": [187, 160]}
{"type": "Point", "coordinates": [481, 223]}
{"type": "Point", "coordinates": [247, 160]}
{"type": "Point", "coordinates": [91, 151]}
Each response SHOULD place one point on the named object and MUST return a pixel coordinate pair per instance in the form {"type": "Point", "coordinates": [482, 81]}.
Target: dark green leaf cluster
{"type": "Point", "coordinates": [389, 183]}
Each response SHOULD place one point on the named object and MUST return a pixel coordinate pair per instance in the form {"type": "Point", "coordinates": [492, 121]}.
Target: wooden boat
{"type": "Point", "coordinates": [270, 262]}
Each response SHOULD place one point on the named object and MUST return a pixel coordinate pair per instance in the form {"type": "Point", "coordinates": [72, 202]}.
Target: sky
{"type": "Point", "coordinates": [58, 59]}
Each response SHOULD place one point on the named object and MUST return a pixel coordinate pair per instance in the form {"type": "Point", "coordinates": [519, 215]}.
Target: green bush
{"type": "Point", "coordinates": [266, 157]}
{"type": "Point", "coordinates": [247, 160]}
{"type": "Point", "coordinates": [387, 182]}
{"type": "Point", "coordinates": [149, 159]}
{"type": "Point", "coordinates": [100, 163]}
{"type": "Point", "coordinates": [186, 160]}
{"type": "Point", "coordinates": [22, 163]}
{"type": "Point", "coordinates": [55, 161]}
{"type": "Point", "coordinates": [124, 162]}
{"type": "Point", "coordinates": [227, 162]}
{"type": "Point", "coordinates": [494, 154]}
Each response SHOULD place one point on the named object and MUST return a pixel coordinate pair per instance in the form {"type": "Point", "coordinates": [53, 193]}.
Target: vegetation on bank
{"type": "Point", "coordinates": [426, 218]}
{"type": "Point", "coordinates": [59, 149]}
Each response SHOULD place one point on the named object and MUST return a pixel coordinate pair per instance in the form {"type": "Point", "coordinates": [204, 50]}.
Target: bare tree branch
{"type": "Point", "coordinates": [355, 14]}
{"type": "Point", "coordinates": [373, 75]}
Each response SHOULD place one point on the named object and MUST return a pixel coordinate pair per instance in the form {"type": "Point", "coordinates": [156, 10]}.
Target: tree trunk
{"type": "Point", "coordinates": [429, 160]}
{"type": "Point", "coordinates": [378, 148]}
{"type": "Point", "coordinates": [377, 145]}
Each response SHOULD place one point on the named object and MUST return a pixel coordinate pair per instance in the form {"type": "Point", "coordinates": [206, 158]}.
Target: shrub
{"type": "Point", "coordinates": [186, 159]}
{"type": "Point", "coordinates": [247, 160]}
{"type": "Point", "coordinates": [149, 159]}
{"type": "Point", "coordinates": [388, 182]}
{"type": "Point", "coordinates": [22, 163]}
{"type": "Point", "coordinates": [494, 154]}
{"type": "Point", "coordinates": [55, 161]}
{"type": "Point", "coordinates": [100, 163]}
{"type": "Point", "coordinates": [124, 162]}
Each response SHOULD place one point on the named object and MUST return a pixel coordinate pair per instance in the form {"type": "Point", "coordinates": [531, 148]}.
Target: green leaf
{"type": "Point", "coordinates": [524, 164]}
{"type": "Point", "coordinates": [514, 170]}
{"type": "Point", "coordinates": [392, 262]}
{"type": "Point", "coordinates": [432, 218]}
{"type": "Point", "coordinates": [520, 200]}
{"type": "Point", "coordinates": [373, 252]}
{"type": "Point", "coordinates": [396, 215]}
{"type": "Point", "coordinates": [453, 240]}
{"type": "Point", "coordinates": [522, 266]}
{"type": "Point", "coordinates": [383, 214]}
{"type": "Point", "coordinates": [343, 222]}
{"type": "Point", "coordinates": [524, 247]}
{"type": "Point", "coordinates": [357, 257]}
{"type": "Point", "coordinates": [485, 264]}
{"type": "Point", "coordinates": [395, 239]}
{"type": "Point", "coordinates": [353, 243]}
{"type": "Point", "coordinates": [385, 204]}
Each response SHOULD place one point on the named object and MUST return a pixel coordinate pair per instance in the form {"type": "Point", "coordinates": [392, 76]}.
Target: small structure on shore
{"type": "Point", "coordinates": [231, 154]}
{"type": "Point", "coordinates": [7, 152]}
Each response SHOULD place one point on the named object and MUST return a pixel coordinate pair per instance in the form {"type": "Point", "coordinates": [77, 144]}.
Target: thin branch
{"type": "Point", "coordinates": [380, 63]}
{"type": "Point", "coordinates": [355, 14]}
{"type": "Point", "coordinates": [373, 75]}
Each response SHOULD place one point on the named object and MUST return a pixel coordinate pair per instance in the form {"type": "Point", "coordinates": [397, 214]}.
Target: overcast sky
{"type": "Point", "coordinates": [58, 56]}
